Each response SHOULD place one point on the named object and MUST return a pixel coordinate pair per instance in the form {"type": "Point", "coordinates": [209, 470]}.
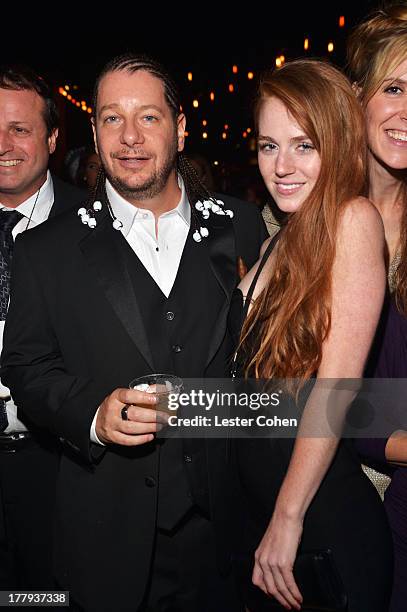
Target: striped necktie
{"type": "Point", "coordinates": [8, 219]}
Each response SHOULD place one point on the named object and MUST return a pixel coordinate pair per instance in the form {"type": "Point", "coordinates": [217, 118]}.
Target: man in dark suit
{"type": "Point", "coordinates": [142, 284]}
{"type": "Point", "coordinates": [28, 458]}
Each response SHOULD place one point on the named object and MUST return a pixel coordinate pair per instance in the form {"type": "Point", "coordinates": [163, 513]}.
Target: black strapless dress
{"type": "Point", "coordinates": [346, 515]}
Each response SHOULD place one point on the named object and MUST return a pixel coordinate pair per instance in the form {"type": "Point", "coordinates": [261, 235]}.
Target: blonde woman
{"type": "Point", "coordinates": [377, 55]}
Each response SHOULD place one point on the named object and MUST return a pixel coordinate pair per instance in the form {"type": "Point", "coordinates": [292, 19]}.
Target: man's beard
{"type": "Point", "coordinates": [153, 185]}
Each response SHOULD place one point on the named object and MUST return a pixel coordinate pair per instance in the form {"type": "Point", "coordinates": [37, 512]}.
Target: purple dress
{"type": "Point", "coordinates": [389, 360]}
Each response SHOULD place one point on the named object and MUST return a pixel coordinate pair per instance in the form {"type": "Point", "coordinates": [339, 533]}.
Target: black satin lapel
{"type": "Point", "coordinates": [222, 256]}
{"type": "Point", "coordinates": [218, 333]}
{"type": "Point", "coordinates": [222, 252]}
{"type": "Point", "coordinates": [101, 248]}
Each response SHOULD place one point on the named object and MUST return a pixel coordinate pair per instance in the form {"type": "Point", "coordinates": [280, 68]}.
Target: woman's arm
{"type": "Point", "coordinates": [358, 285]}
{"type": "Point", "coordinates": [396, 448]}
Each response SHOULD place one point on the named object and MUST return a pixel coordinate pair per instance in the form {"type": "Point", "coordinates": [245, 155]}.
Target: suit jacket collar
{"type": "Point", "coordinates": [223, 261]}
{"type": "Point", "coordinates": [222, 251]}
{"type": "Point", "coordinates": [101, 248]}
{"type": "Point", "coordinates": [66, 196]}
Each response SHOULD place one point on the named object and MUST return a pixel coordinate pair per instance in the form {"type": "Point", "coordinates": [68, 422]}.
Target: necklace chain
{"type": "Point", "coordinates": [32, 210]}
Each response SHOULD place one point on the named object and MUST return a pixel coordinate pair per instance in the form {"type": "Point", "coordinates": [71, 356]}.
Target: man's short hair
{"type": "Point", "coordinates": [19, 77]}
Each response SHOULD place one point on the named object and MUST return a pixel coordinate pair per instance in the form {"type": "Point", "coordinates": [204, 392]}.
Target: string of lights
{"type": "Point", "coordinates": [204, 102]}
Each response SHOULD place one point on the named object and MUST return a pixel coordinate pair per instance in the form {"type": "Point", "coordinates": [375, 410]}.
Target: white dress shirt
{"type": "Point", "coordinates": [35, 210]}
{"type": "Point", "coordinates": [159, 253]}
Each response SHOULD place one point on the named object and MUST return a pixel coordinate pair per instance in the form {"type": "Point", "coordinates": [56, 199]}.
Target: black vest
{"type": "Point", "coordinates": [179, 332]}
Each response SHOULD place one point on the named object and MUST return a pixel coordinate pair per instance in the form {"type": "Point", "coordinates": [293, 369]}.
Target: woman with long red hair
{"type": "Point", "coordinates": [315, 300]}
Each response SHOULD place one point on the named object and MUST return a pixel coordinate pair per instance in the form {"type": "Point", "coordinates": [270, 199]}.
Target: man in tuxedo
{"type": "Point", "coordinates": [140, 281]}
{"type": "Point", "coordinates": [28, 457]}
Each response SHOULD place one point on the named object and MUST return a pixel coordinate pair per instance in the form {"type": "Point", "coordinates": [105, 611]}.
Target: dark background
{"type": "Point", "coordinates": [199, 38]}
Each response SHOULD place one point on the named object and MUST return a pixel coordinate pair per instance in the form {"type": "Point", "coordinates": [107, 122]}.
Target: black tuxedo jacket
{"type": "Point", "coordinates": [73, 334]}
{"type": "Point", "coordinates": [66, 196]}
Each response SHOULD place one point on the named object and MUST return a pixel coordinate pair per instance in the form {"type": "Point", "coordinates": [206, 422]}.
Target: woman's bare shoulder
{"type": "Point", "coordinates": [361, 213]}
{"type": "Point", "coordinates": [360, 227]}
{"type": "Point", "coordinates": [264, 246]}
{"type": "Point", "coordinates": [248, 279]}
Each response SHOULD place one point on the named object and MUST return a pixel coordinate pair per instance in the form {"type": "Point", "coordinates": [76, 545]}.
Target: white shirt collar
{"type": "Point", "coordinates": [127, 213]}
{"type": "Point", "coordinates": [38, 205]}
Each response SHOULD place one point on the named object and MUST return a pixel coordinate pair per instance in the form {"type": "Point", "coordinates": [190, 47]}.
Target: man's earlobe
{"type": "Point", "coordinates": [181, 142]}
{"type": "Point", "coordinates": [52, 141]}
{"type": "Point", "coordinates": [181, 132]}
{"type": "Point", "coordinates": [92, 120]}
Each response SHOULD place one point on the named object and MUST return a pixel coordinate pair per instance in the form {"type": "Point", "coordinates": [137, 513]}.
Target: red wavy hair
{"type": "Point", "coordinates": [283, 334]}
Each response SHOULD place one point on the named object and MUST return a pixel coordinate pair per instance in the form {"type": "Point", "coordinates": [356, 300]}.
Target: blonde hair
{"type": "Point", "coordinates": [375, 48]}
{"type": "Point", "coordinates": [284, 332]}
